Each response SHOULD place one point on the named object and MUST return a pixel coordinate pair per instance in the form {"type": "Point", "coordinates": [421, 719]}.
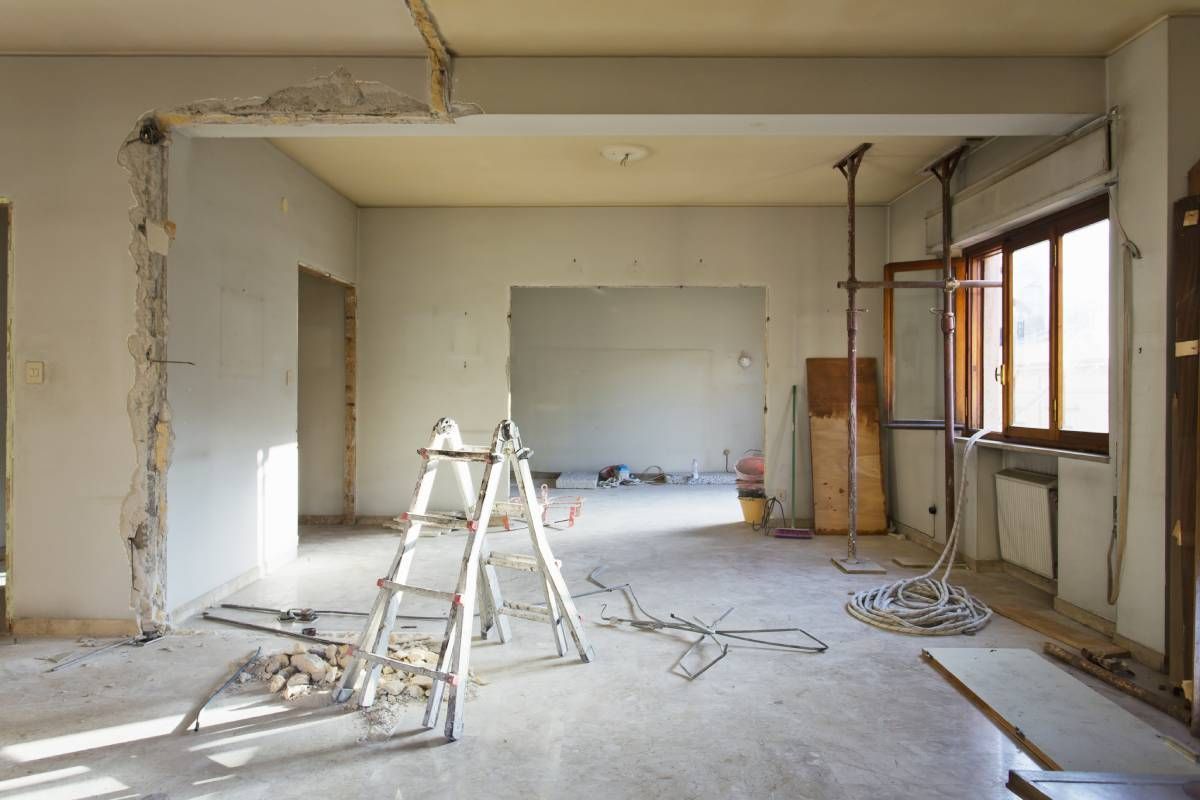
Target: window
{"type": "Point", "coordinates": [1039, 347]}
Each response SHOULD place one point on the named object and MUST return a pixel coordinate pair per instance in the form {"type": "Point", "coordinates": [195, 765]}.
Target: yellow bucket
{"type": "Point", "coordinates": [753, 508]}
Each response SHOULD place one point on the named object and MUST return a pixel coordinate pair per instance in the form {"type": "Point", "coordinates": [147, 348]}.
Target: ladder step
{"type": "Point", "coordinates": [525, 611]}
{"type": "Point", "coordinates": [384, 583]}
{"type": "Point", "coordinates": [464, 453]}
{"type": "Point", "coordinates": [404, 666]}
{"type": "Point", "coordinates": [436, 520]}
{"type": "Point", "coordinates": [515, 561]}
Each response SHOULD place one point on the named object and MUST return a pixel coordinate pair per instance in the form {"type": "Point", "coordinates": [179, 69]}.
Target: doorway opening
{"type": "Point", "coordinates": [616, 386]}
{"type": "Point", "coordinates": [6, 422]}
{"type": "Point", "coordinates": [326, 398]}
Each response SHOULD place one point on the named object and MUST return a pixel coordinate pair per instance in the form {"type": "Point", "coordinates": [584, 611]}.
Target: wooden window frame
{"type": "Point", "coordinates": [1051, 228]}
{"type": "Point", "coordinates": [895, 271]}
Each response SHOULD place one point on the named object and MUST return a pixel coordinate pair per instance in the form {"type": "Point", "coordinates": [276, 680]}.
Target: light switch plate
{"type": "Point", "coordinates": [35, 372]}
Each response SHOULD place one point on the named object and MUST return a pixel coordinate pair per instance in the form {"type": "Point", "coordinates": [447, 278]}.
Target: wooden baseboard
{"type": "Point", "coordinates": [934, 546]}
{"type": "Point", "coordinates": [373, 521]}
{"type": "Point", "coordinates": [1085, 617]}
{"type": "Point", "coordinates": [324, 519]}
{"type": "Point", "coordinates": [1142, 654]}
{"type": "Point", "coordinates": [53, 626]}
{"type": "Point", "coordinates": [1047, 585]}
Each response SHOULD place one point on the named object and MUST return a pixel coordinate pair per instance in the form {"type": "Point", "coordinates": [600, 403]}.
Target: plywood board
{"type": "Point", "coordinates": [1059, 720]}
{"type": "Point", "coordinates": [828, 407]}
{"type": "Point", "coordinates": [1034, 785]}
{"type": "Point", "coordinates": [1044, 620]}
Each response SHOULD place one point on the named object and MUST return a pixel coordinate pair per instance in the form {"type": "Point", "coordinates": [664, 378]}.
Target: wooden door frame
{"type": "Point", "coordinates": [893, 271]}
{"type": "Point", "coordinates": [8, 387]}
{"type": "Point", "coordinates": [350, 454]}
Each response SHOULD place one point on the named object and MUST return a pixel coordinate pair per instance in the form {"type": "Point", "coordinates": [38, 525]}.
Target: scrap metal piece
{"type": "Point", "coordinates": [237, 623]}
{"type": "Point", "coordinates": [194, 717]}
{"type": "Point", "coordinates": [279, 612]}
{"type": "Point", "coordinates": [134, 641]}
{"type": "Point", "coordinates": [705, 631]}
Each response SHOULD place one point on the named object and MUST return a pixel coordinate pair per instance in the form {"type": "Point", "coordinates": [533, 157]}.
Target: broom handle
{"type": "Point", "coordinates": [793, 455]}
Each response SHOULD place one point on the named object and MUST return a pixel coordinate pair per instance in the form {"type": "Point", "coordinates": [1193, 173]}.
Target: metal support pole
{"type": "Point", "coordinates": [848, 166]}
{"type": "Point", "coordinates": [943, 169]}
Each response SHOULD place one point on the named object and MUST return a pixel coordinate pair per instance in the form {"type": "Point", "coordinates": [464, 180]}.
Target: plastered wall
{"type": "Point", "coordinates": [434, 296]}
{"type": "Point", "coordinates": [321, 380]}
{"type": "Point", "coordinates": [247, 216]}
{"type": "Point", "coordinates": [73, 304]}
{"type": "Point", "coordinates": [638, 376]}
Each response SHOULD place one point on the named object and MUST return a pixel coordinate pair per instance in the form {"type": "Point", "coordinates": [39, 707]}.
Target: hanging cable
{"type": "Point", "coordinates": [926, 605]}
{"type": "Point", "coordinates": [1129, 252]}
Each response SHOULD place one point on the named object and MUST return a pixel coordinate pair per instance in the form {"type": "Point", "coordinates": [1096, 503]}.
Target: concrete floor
{"type": "Point", "coordinates": [867, 718]}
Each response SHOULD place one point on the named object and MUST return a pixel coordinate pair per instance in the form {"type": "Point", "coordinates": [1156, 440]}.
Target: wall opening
{"type": "Point", "coordinates": [325, 398]}
{"type": "Point", "coordinates": [5, 414]}
{"type": "Point", "coordinates": [644, 377]}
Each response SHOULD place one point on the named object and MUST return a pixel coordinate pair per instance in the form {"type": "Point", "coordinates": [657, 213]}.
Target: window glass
{"type": "Point", "coordinates": [1030, 336]}
{"type": "Point", "coordinates": [993, 343]}
{"type": "Point", "coordinates": [917, 346]}
{"type": "Point", "coordinates": [1085, 329]}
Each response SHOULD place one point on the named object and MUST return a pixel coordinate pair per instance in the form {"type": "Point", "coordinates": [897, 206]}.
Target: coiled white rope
{"type": "Point", "coordinates": [925, 605]}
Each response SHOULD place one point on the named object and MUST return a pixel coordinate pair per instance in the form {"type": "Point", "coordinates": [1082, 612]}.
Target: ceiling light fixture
{"type": "Point", "coordinates": [624, 154]}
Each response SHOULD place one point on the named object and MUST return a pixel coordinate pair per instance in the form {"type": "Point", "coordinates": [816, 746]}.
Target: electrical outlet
{"type": "Point", "coordinates": [35, 372]}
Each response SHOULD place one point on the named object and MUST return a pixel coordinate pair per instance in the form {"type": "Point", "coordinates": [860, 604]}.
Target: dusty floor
{"type": "Point", "coordinates": [866, 719]}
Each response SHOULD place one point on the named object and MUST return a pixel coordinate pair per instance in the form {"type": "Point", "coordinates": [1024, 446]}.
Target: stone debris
{"type": "Point", "coordinates": [306, 668]}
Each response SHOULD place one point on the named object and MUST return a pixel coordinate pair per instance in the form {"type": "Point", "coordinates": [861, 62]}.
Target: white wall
{"type": "Point", "coordinates": [247, 216]}
{"type": "Point", "coordinates": [434, 293]}
{"type": "Point", "coordinates": [638, 376]}
{"type": "Point", "coordinates": [1138, 83]}
{"type": "Point", "coordinates": [73, 302]}
{"type": "Point", "coordinates": [321, 382]}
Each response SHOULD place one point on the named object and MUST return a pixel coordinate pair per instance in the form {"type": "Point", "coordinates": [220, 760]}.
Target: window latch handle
{"type": "Point", "coordinates": [999, 375]}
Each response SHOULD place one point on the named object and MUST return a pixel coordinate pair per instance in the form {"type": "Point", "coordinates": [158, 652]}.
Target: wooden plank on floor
{"type": "Point", "coordinates": [1049, 622]}
{"type": "Point", "coordinates": [828, 407]}
{"type": "Point", "coordinates": [1063, 723]}
{"type": "Point", "coordinates": [1031, 784]}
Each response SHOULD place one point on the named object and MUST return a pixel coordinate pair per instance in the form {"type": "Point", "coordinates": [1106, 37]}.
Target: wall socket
{"type": "Point", "coordinates": [35, 371]}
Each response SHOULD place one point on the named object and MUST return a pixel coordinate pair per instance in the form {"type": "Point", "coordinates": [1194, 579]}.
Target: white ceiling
{"type": "Point", "coordinates": [583, 27]}
{"type": "Point", "coordinates": [569, 170]}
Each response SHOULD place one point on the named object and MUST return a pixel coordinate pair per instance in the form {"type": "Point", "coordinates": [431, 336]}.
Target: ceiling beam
{"type": "Point", "coordinates": [439, 56]}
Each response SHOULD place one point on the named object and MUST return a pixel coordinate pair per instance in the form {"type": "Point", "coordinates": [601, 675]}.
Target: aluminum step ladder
{"type": "Point", "coordinates": [476, 579]}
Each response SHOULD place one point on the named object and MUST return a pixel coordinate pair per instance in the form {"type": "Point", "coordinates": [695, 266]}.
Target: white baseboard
{"type": "Point", "coordinates": [215, 595]}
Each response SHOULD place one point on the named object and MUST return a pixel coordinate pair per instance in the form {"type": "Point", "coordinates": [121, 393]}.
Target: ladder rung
{"type": "Point", "coordinates": [465, 453]}
{"type": "Point", "coordinates": [515, 561]}
{"type": "Point", "coordinates": [384, 583]}
{"type": "Point", "coordinates": [525, 611]}
{"type": "Point", "coordinates": [435, 520]}
{"type": "Point", "coordinates": [404, 666]}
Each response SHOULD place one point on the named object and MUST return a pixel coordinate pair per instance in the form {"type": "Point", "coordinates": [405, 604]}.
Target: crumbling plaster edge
{"type": "Point", "coordinates": [336, 98]}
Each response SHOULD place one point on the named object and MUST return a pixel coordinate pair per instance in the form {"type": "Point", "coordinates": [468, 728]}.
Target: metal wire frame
{"type": "Point", "coordinates": [707, 631]}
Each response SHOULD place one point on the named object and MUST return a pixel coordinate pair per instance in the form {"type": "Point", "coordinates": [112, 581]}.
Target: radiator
{"type": "Point", "coordinates": [1027, 516]}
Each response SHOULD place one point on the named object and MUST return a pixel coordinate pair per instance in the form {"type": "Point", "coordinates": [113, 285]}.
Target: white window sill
{"type": "Point", "coordinates": [1098, 458]}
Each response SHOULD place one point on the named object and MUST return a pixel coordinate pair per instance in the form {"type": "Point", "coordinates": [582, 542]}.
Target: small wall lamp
{"type": "Point", "coordinates": [744, 360]}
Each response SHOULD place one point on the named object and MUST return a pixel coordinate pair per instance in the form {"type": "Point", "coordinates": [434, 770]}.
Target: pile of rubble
{"type": "Point", "coordinates": [298, 671]}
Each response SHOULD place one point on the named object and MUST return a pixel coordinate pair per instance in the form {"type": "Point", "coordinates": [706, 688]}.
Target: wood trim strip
{"type": "Point", "coordinates": [350, 457]}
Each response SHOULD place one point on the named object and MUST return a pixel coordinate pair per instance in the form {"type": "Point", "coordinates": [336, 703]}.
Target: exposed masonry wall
{"type": "Point", "coordinates": [334, 98]}
{"type": "Point", "coordinates": [144, 156]}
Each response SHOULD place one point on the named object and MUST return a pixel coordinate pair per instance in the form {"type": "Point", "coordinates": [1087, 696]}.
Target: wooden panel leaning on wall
{"type": "Point", "coordinates": [1182, 393]}
{"type": "Point", "coordinates": [828, 407]}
